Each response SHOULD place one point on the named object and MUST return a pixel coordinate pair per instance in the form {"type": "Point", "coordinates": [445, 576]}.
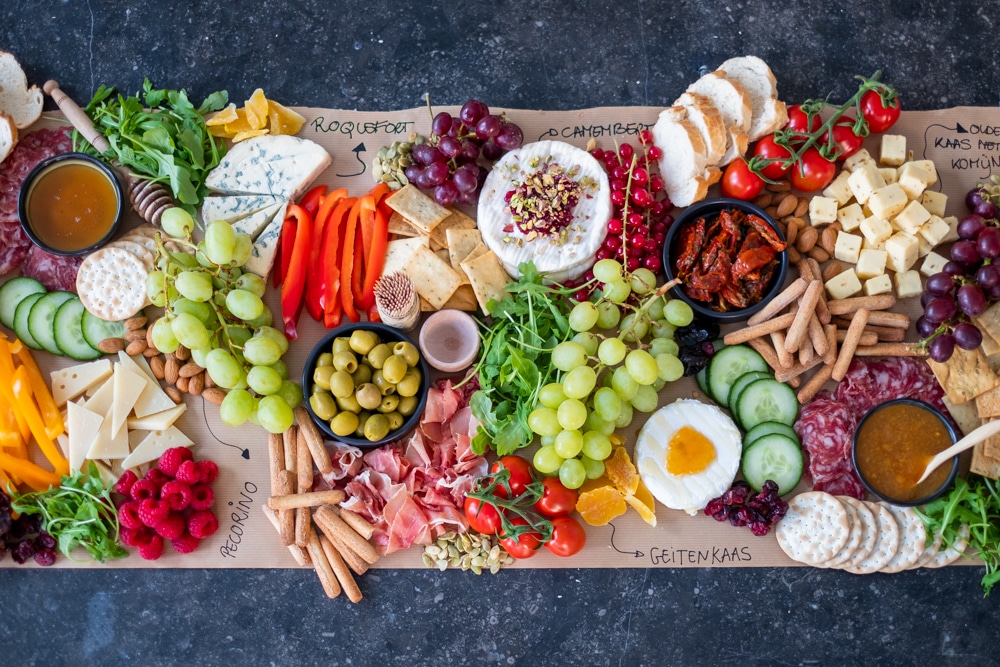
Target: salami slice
{"type": "Point", "coordinates": [56, 272]}
{"type": "Point", "coordinates": [14, 246]}
{"type": "Point", "coordinates": [844, 485]}
{"type": "Point", "coordinates": [825, 427]}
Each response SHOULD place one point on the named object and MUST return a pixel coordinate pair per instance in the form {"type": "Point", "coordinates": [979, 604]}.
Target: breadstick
{"type": "Point", "coordinates": [800, 324]}
{"type": "Point", "coordinates": [784, 357]}
{"type": "Point", "coordinates": [891, 350]}
{"type": "Point", "coordinates": [330, 523]}
{"type": "Point", "coordinates": [303, 464]}
{"type": "Point", "coordinates": [868, 337]}
{"type": "Point", "coordinates": [286, 518]}
{"type": "Point", "coordinates": [822, 311]}
{"type": "Point", "coordinates": [893, 320]}
{"type": "Point", "coordinates": [796, 370]}
{"type": "Point", "coordinates": [831, 343]}
{"type": "Point", "coordinates": [289, 439]}
{"type": "Point", "coordinates": [303, 526]}
{"type": "Point", "coordinates": [310, 499]}
{"type": "Point", "coordinates": [850, 344]}
{"type": "Point", "coordinates": [314, 441]}
{"type": "Point", "coordinates": [765, 350]}
{"type": "Point", "coordinates": [322, 567]}
{"type": "Point", "coordinates": [298, 553]}
{"type": "Point", "coordinates": [354, 561]}
{"type": "Point", "coordinates": [357, 522]}
{"type": "Point", "coordinates": [806, 351]}
{"type": "Point", "coordinates": [884, 334]}
{"type": "Point", "coordinates": [852, 304]}
{"type": "Point", "coordinates": [805, 270]}
{"type": "Point", "coordinates": [816, 382]}
{"type": "Point", "coordinates": [275, 458]}
{"type": "Point", "coordinates": [817, 335]}
{"type": "Point", "coordinates": [756, 331]}
{"type": "Point", "coordinates": [775, 305]}
{"type": "Point", "coordinates": [340, 570]}
{"type": "Point", "coordinates": [795, 382]}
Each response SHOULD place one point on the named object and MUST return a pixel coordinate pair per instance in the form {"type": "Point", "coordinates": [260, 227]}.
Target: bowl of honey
{"type": "Point", "coordinates": [71, 204]}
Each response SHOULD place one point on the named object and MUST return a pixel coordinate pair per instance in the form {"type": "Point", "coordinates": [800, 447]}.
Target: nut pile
{"type": "Point", "coordinates": [470, 551]}
{"type": "Point", "coordinates": [788, 211]}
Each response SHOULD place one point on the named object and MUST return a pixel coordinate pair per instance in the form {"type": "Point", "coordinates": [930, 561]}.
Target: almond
{"type": "Point", "coordinates": [135, 348]}
{"type": "Point", "coordinates": [793, 255]}
{"type": "Point", "coordinates": [807, 239]}
{"type": "Point", "coordinates": [135, 334]}
{"type": "Point", "coordinates": [190, 369]}
{"type": "Point", "coordinates": [182, 353]}
{"type": "Point", "coordinates": [149, 337]}
{"type": "Point", "coordinates": [182, 384]}
{"type": "Point", "coordinates": [137, 322]}
{"type": "Point", "coordinates": [819, 254]}
{"type": "Point", "coordinates": [111, 345]}
{"type": "Point", "coordinates": [832, 269]}
{"type": "Point", "coordinates": [828, 240]}
{"type": "Point", "coordinates": [214, 395]}
{"type": "Point", "coordinates": [772, 211]}
{"type": "Point", "coordinates": [158, 366]}
{"type": "Point", "coordinates": [174, 395]}
{"type": "Point", "coordinates": [836, 226]}
{"type": "Point", "coordinates": [802, 207]}
{"type": "Point", "coordinates": [150, 352]}
{"type": "Point", "coordinates": [787, 205]}
{"type": "Point", "coordinates": [209, 382]}
{"type": "Point", "coordinates": [763, 200]}
{"type": "Point", "coordinates": [171, 370]}
{"type": "Point", "coordinates": [196, 384]}
{"type": "Point", "coordinates": [780, 186]}
{"type": "Point", "coordinates": [791, 231]}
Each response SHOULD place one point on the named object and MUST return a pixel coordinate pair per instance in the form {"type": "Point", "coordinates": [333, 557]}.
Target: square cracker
{"type": "Point", "coordinates": [432, 277]}
{"type": "Point", "coordinates": [457, 220]}
{"type": "Point", "coordinates": [398, 253]}
{"type": "Point", "coordinates": [400, 227]}
{"type": "Point", "coordinates": [988, 403]}
{"type": "Point", "coordinates": [419, 210]}
{"type": "Point", "coordinates": [460, 243]}
{"type": "Point", "coordinates": [989, 322]}
{"type": "Point", "coordinates": [487, 277]}
{"type": "Point", "coordinates": [966, 375]}
{"type": "Point", "coordinates": [983, 464]}
{"type": "Point", "coordinates": [964, 414]}
{"type": "Point", "coordinates": [463, 299]}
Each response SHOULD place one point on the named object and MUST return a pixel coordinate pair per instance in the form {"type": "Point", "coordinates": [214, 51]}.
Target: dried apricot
{"type": "Point", "coordinates": [283, 119]}
{"type": "Point", "coordinates": [600, 506]}
{"type": "Point", "coordinates": [620, 470]}
{"type": "Point", "coordinates": [256, 109]}
{"type": "Point", "coordinates": [643, 503]}
{"type": "Point", "coordinates": [227, 115]}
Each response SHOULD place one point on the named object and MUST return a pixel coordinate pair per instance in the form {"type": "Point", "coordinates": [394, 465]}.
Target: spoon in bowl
{"type": "Point", "coordinates": [974, 438]}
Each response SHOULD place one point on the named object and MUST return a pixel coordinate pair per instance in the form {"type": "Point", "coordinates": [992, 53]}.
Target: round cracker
{"type": "Point", "coordinates": [930, 551]}
{"type": "Point", "coordinates": [853, 538]}
{"type": "Point", "coordinates": [136, 249]}
{"type": "Point", "coordinates": [148, 231]}
{"type": "Point", "coordinates": [814, 529]}
{"type": "Point", "coordinates": [912, 542]}
{"type": "Point", "coordinates": [954, 552]}
{"type": "Point", "coordinates": [145, 241]}
{"type": "Point", "coordinates": [867, 526]}
{"type": "Point", "coordinates": [886, 544]}
{"type": "Point", "coordinates": [111, 283]}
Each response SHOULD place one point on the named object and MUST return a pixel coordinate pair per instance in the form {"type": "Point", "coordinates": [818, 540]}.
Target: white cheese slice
{"type": "Point", "coordinates": [253, 225]}
{"type": "Point", "coordinates": [101, 401]}
{"type": "Point", "coordinates": [83, 427]}
{"type": "Point", "coordinates": [69, 383]}
{"type": "Point", "coordinates": [152, 400]}
{"type": "Point", "coordinates": [158, 421]}
{"type": "Point", "coordinates": [262, 258]}
{"type": "Point", "coordinates": [279, 165]}
{"type": "Point", "coordinates": [108, 445]}
{"type": "Point", "coordinates": [128, 387]}
{"type": "Point", "coordinates": [137, 365]}
{"type": "Point", "coordinates": [231, 208]}
{"type": "Point", "coordinates": [153, 446]}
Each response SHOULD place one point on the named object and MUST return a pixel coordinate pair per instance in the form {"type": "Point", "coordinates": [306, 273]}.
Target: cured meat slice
{"type": "Point", "coordinates": [845, 485]}
{"type": "Point", "coordinates": [826, 427]}
{"type": "Point", "coordinates": [14, 246]}
{"type": "Point", "coordinates": [56, 272]}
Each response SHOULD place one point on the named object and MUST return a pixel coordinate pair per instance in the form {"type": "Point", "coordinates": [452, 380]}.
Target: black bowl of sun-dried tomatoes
{"type": "Point", "coordinates": [730, 257]}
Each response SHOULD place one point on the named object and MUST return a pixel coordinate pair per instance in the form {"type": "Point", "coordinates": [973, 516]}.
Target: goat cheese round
{"type": "Point", "coordinates": [547, 202]}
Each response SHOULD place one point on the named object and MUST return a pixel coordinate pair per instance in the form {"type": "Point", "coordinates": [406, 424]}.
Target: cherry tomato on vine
{"type": "Point", "coordinates": [556, 499]}
{"type": "Point", "coordinates": [769, 150]}
{"type": "Point", "coordinates": [798, 120]}
{"type": "Point", "coordinates": [568, 536]}
{"type": "Point", "coordinates": [482, 517]}
{"type": "Point", "coordinates": [814, 172]}
{"type": "Point", "coordinates": [845, 138]}
{"type": "Point", "coordinates": [880, 117]}
{"type": "Point", "coordinates": [526, 544]}
{"type": "Point", "coordinates": [739, 182]}
{"type": "Point", "coordinates": [520, 474]}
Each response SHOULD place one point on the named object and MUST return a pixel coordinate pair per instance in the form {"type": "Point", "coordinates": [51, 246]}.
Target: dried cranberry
{"type": "Point", "coordinates": [45, 558]}
{"type": "Point", "coordinates": [759, 506]}
{"type": "Point", "coordinates": [22, 552]}
{"type": "Point", "coordinates": [5, 522]}
{"type": "Point", "coordinates": [736, 495]}
{"type": "Point", "coordinates": [45, 541]}
{"type": "Point", "coordinates": [759, 528]}
{"type": "Point", "coordinates": [717, 509]}
{"type": "Point", "coordinates": [770, 486]}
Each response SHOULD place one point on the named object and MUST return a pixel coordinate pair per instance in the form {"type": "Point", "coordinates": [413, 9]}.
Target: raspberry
{"type": "Point", "coordinates": [188, 472]}
{"type": "Point", "coordinates": [208, 470]}
{"type": "Point", "coordinates": [153, 512]}
{"type": "Point", "coordinates": [202, 523]}
{"type": "Point", "coordinates": [172, 527]}
{"type": "Point", "coordinates": [128, 515]}
{"type": "Point", "coordinates": [177, 494]}
{"type": "Point", "coordinates": [125, 482]}
{"type": "Point", "coordinates": [172, 459]}
{"type": "Point", "coordinates": [131, 537]}
{"type": "Point", "coordinates": [142, 536]}
{"type": "Point", "coordinates": [153, 549]}
{"type": "Point", "coordinates": [143, 489]}
{"type": "Point", "coordinates": [202, 497]}
{"type": "Point", "coordinates": [157, 477]}
{"type": "Point", "coordinates": [185, 544]}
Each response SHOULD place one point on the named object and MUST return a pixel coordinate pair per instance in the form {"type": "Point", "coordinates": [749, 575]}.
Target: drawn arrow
{"type": "Point", "coordinates": [958, 128]}
{"type": "Point", "coordinates": [245, 453]}
{"type": "Point", "coordinates": [358, 150]}
{"type": "Point", "coordinates": [636, 553]}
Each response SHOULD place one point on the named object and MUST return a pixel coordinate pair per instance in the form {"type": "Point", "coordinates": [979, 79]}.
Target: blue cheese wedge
{"type": "Point", "coordinates": [236, 207]}
{"type": "Point", "coordinates": [254, 224]}
{"type": "Point", "coordinates": [264, 248]}
{"type": "Point", "coordinates": [282, 166]}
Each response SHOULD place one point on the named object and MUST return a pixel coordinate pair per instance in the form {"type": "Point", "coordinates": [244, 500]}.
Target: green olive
{"type": "Point", "coordinates": [387, 388]}
{"type": "Point", "coordinates": [388, 404]}
{"type": "Point", "coordinates": [341, 384]}
{"type": "Point", "coordinates": [345, 361]}
{"type": "Point", "coordinates": [368, 395]}
{"type": "Point", "coordinates": [324, 405]}
{"type": "Point", "coordinates": [349, 404]}
{"type": "Point", "coordinates": [407, 405]}
{"type": "Point", "coordinates": [410, 384]}
{"type": "Point", "coordinates": [363, 341]}
{"type": "Point", "coordinates": [342, 344]}
{"type": "Point", "coordinates": [345, 423]}
{"type": "Point", "coordinates": [376, 427]}
{"type": "Point", "coordinates": [394, 369]}
{"type": "Point", "coordinates": [363, 374]}
{"type": "Point", "coordinates": [379, 354]}
{"type": "Point", "coordinates": [395, 420]}
{"type": "Point", "coordinates": [325, 359]}
{"type": "Point", "coordinates": [363, 418]}
{"type": "Point", "coordinates": [322, 375]}
{"type": "Point", "coordinates": [407, 351]}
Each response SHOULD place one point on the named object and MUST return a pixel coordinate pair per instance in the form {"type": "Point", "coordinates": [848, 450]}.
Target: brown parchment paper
{"type": "Point", "coordinates": [964, 143]}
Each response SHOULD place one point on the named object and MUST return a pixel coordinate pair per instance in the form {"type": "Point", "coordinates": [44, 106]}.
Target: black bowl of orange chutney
{"type": "Point", "coordinates": [893, 444]}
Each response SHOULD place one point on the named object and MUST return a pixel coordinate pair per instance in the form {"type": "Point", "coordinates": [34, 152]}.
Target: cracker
{"type": "Point", "coordinates": [136, 249]}
{"type": "Point", "coordinates": [964, 414]}
{"type": "Point", "coordinates": [463, 299]}
{"type": "Point", "coordinates": [988, 403]}
{"type": "Point", "coordinates": [913, 539]}
{"type": "Point", "coordinates": [853, 538]}
{"type": "Point", "coordinates": [419, 210]}
{"type": "Point", "coordinates": [487, 277]}
{"type": "Point", "coordinates": [432, 277]}
{"type": "Point", "coordinates": [398, 253]}
{"type": "Point", "coordinates": [952, 553]}
{"type": "Point", "coordinates": [461, 242]}
{"type": "Point", "coordinates": [400, 227]}
{"type": "Point", "coordinates": [814, 529]}
{"type": "Point", "coordinates": [145, 241]}
{"type": "Point", "coordinates": [984, 465]}
{"type": "Point", "coordinates": [457, 220]}
{"type": "Point", "coordinates": [867, 527]}
{"type": "Point", "coordinates": [930, 551]}
{"type": "Point", "coordinates": [886, 544]}
{"type": "Point", "coordinates": [965, 375]}
{"type": "Point", "coordinates": [991, 447]}
{"type": "Point", "coordinates": [988, 322]}
{"type": "Point", "coordinates": [990, 345]}
{"type": "Point", "coordinates": [111, 283]}
{"type": "Point", "coordinates": [148, 230]}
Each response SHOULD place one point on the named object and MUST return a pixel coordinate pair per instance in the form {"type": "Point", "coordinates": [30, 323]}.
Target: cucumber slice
{"type": "Point", "coordinates": [41, 319]}
{"type": "Point", "coordinates": [767, 428]}
{"type": "Point", "coordinates": [95, 329]}
{"type": "Point", "coordinates": [767, 400]}
{"type": "Point", "coordinates": [741, 383]}
{"type": "Point", "coordinates": [12, 293]}
{"type": "Point", "coordinates": [68, 326]}
{"type": "Point", "coordinates": [701, 377]}
{"type": "Point", "coordinates": [775, 457]}
{"type": "Point", "coordinates": [21, 314]}
{"type": "Point", "coordinates": [727, 365]}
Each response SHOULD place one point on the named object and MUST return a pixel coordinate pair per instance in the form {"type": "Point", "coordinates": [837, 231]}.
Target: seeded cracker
{"type": "Point", "coordinates": [487, 277]}
{"type": "Point", "coordinates": [419, 210]}
{"type": "Point", "coordinates": [433, 278]}
{"type": "Point", "coordinates": [400, 227]}
{"type": "Point", "coordinates": [461, 242]}
{"type": "Point", "coordinates": [965, 375]}
{"type": "Point", "coordinates": [886, 545]}
{"type": "Point", "coordinates": [398, 253]}
{"type": "Point", "coordinates": [111, 284]}
{"type": "Point", "coordinates": [913, 539]}
{"type": "Point", "coordinates": [984, 465]}
{"type": "Point", "coordinates": [964, 414]}
{"type": "Point", "coordinates": [814, 529]}
{"type": "Point", "coordinates": [457, 220]}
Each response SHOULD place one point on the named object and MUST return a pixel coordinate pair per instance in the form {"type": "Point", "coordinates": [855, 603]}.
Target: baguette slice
{"type": "Point", "coordinates": [8, 135]}
{"type": "Point", "coordinates": [684, 165]}
{"type": "Point", "coordinates": [708, 120]}
{"type": "Point", "coordinates": [733, 104]}
{"type": "Point", "coordinates": [21, 103]}
{"type": "Point", "coordinates": [758, 81]}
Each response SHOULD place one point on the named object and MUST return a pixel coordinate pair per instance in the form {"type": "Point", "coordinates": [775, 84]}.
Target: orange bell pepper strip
{"type": "Point", "coordinates": [10, 434]}
{"type": "Point", "coordinates": [348, 261]}
{"type": "Point", "coordinates": [367, 215]}
{"type": "Point", "coordinates": [54, 424]}
{"type": "Point", "coordinates": [293, 288]}
{"type": "Point", "coordinates": [375, 259]}
{"type": "Point", "coordinates": [26, 405]}
{"type": "Point", "coordinates": [35, 476]}
{"type": "Point", "coordinates": [6, 393]}
{"type": "Point", "coordinates": [332, 237]}
{"type": "Point", "coordinates": [285, 244]}
{"type": "Point", "coordinates": [315, 292]}
{"type": "Point", "coordinates": [6, 485]}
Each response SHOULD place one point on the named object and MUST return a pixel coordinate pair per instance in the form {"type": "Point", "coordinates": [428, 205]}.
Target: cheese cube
{"type": "Point", "coordinates": [876, 230]}
{"type": "Point", "coordinates": [850, 217]}
{"type": "Point", "coordinates": [858, 159]}
{"type": "Point", "coordinates": [888, 174]}
{"type": "Point", "coordinates": [839, 189]}
{"type": "Point", "coordinates": [886, 202]}
{"type": "Point", "coordinates": [871, 263]}
{"type": "Point", "coordinates": [923, 247]}
{"type": "Point", "coordinates": [929, 168]}
{"type": "Point", "coordinates": [934, 230]}
{"type": "Point", "coordinates": [843, 285]}
{"type": "Point", "coordinates": [952, 234]}
{"type": "Point", "coordinates": [933, 263]}
{"type": "Point", "coordinates": [912, 217]}
{"type": "Point", "coordinates": [934, 202]}
{"type": "Point", "coordinates": [864, 181]}
{"type": "Point", "coordinates": [868, 245]}
{"type": "Point", "coordinates": [822, 210]}
{"type": "Point", "coordinates": [914, 179]}
{"type": "Point", "coordinates": [893, 151]}
{"type": "Point", "coordinates": [902, 251]}
{"type": "Point", "coordinates": [908, 284]}
{"type": "Point", "coordinates": [878, 285]}
{"type": "Point", "coordinates": [847, 247]}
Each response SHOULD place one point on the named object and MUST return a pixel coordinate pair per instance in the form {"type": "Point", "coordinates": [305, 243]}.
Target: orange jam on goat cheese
{"type": "Point", "coordinates": [689, 452]}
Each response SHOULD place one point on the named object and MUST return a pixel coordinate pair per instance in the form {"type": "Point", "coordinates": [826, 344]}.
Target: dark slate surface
{"type": "Point", "coordinates": [552, 55]}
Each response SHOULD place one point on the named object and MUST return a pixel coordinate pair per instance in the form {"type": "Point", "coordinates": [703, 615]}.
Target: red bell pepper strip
{"type": "Point", "coordinates": [315, 293]}
{"type": "Point", "coordinates": [357, 271]}
{"type": "Point", "coordinates": [311, 200]}
{"type": "Point", "coordinates": [347, 263]}
{"type": "Point", "coordinates": [367, 213]}
{"type": "Point", "coordinates": [285, 243]}
{"type": "Point", "coordinates": [293, 288]}
{"type": "Point", "coordinates": [332, 235]}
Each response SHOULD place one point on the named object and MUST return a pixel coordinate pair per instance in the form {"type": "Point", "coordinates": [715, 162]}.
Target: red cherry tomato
{"type": "Point", "coordinates": [739, 182]}
{"type": "Point", "coordinates": [879, 116]}
{"type": "Point", "coordinates": [568, 536]}
{"type": "Point", "coordinates": [844, 137]}
{"type": "Point", "coordinates": [520, 474]}
{"type": "Point", "coordinates": [556, 499]}
{"type": "Point", "coordinates": [482, 517]}
{"type": "Point", "coordinates": [814, 172]}
{"type": "Point", "coordinates": [526, 544]}
{"type": "Point", "coordinates": [768, 149]}
{"type": "Point", "coordinates": [798, 120]}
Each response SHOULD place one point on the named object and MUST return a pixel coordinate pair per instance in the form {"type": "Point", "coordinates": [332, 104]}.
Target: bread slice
{"type": "Point", "coordinates": [684, 166]}
{"type": "Point", "coordinates": [708, 120]}
{"type": "Point", "coordinates": [8, 135]}
{"type": "Point", "coordinates": [733, 104]}
{"type": "Point", "coordinates": [759, 82]}
{"type": "Point", "coordinates": [21, 103]}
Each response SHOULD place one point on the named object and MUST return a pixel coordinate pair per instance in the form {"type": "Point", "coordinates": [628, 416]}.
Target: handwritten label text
{"type": "Point", "coordinates": [350, 128]}
{"type": "Point", "coordinates": [239, 516]}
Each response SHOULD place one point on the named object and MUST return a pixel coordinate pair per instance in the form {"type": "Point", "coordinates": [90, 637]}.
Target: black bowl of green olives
{"type": "Point", "coordinates": [366, 384]}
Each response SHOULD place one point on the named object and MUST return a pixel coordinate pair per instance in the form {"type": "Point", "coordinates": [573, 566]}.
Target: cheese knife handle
{"type": "Point", "coordinates": [75, 115]}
